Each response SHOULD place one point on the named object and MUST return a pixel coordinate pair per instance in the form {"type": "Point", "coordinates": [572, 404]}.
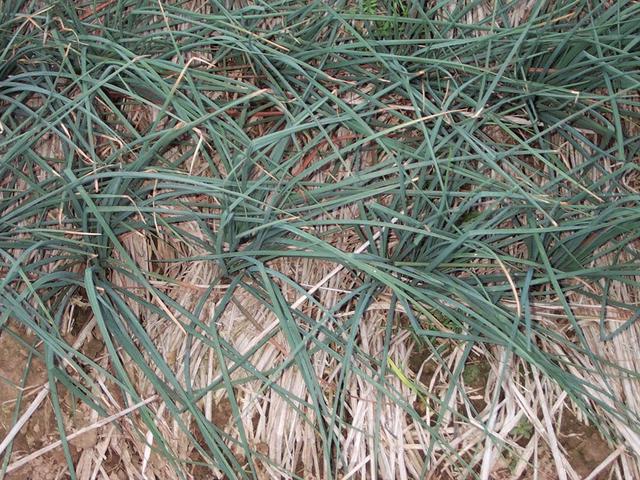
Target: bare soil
{"type": "Point", "coordinates": [41, 428]}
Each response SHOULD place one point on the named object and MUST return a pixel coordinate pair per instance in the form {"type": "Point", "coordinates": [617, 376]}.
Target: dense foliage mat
{"type": "Point", "coordinates": [471, 162]}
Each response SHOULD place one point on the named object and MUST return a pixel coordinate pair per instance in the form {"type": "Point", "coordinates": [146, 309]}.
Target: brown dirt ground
{"type": "Point", "coordinates": [41, 428]}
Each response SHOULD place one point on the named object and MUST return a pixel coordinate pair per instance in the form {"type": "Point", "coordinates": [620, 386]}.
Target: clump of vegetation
{"type": "Point", "coordinates": [230, 224]}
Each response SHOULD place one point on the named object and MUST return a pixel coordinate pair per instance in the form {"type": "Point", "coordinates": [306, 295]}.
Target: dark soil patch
{"type": "Point", "coordinates": [585, 446]}
{"type": "Point", "coordinates": [41, 429]}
